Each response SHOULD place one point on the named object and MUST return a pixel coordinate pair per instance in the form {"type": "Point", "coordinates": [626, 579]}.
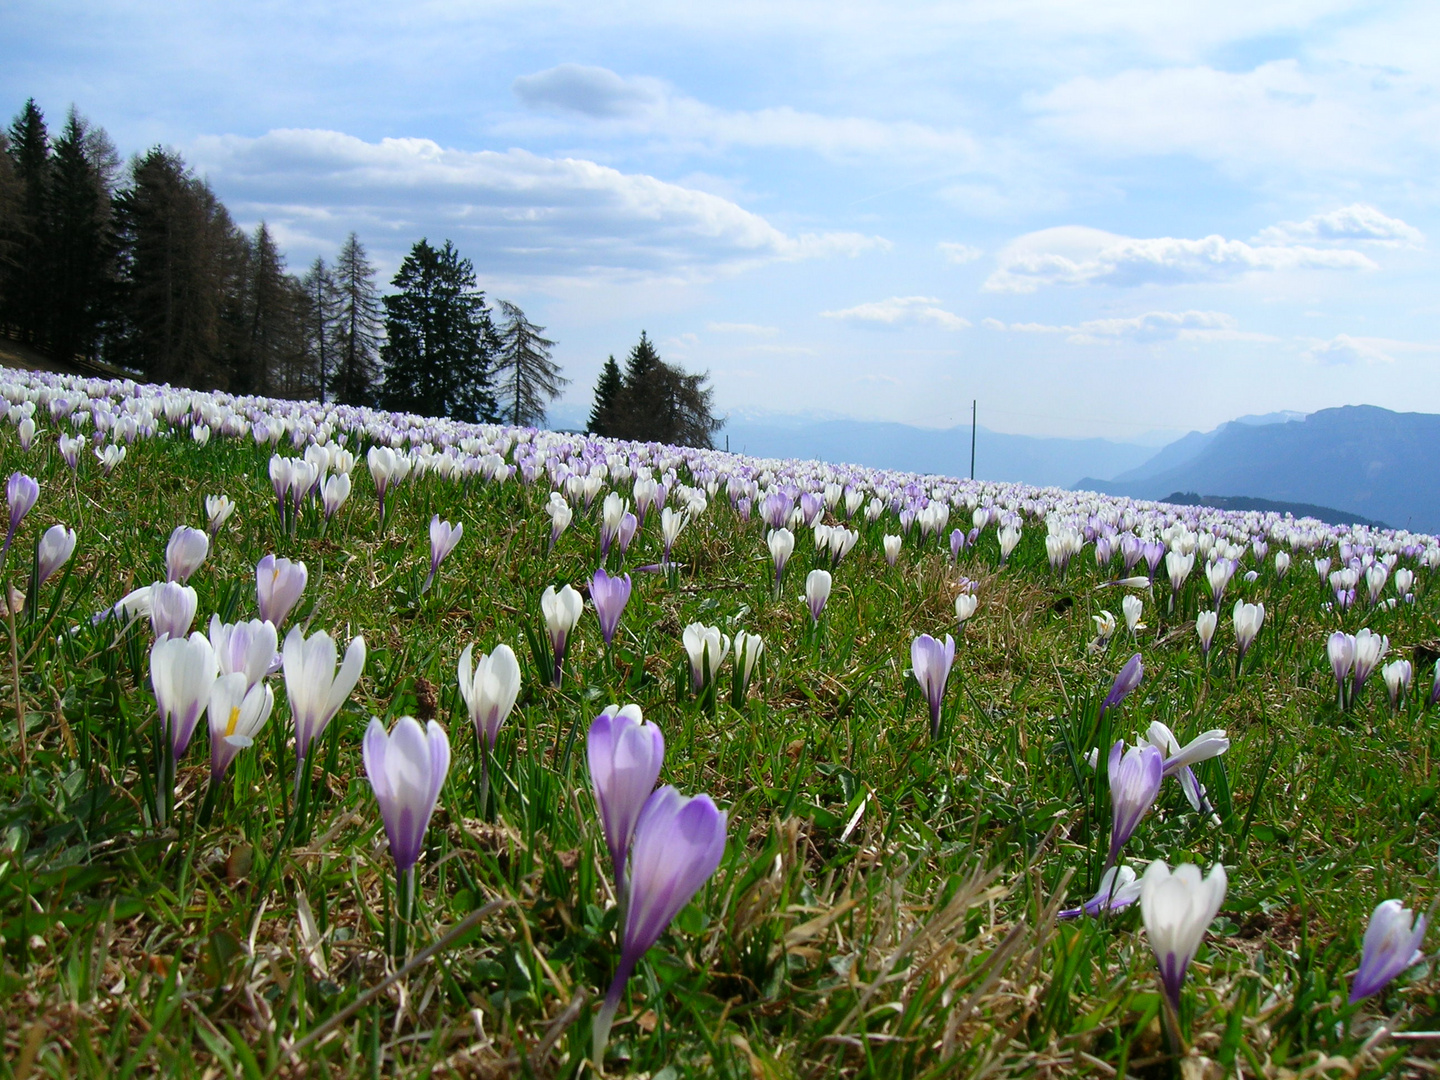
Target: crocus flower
{"type": "Point", "coordinates": [892, 548]}
{"type": "Point", "coordinates": [1247, 619]}
{"type": "Point", "coordinates": [1370, 649]}
{"type": "Point", "coordinates": [334, 493]}
{"type": "Point", "coordinates": [182, 673]}
{"type": "Point", "coordinates": [671, 523]}
{"type": "Point", "coordinates": [625, 752]}
{"type": "Point", "coordinates": [1392, 944]}
{"type": "Point", "coordinates": [70, 447]}
{"type": "Point", "coordinates": [707, 648]}
{"type": "Point", "coordinates": [1205, 624]}
{"type": "Point", "coordinates": [782, 544]}
{"type": "Point", "coordinates": [1397, 676]}
{"type": "Point", "coordinates": [1179, 759]}
{"type": "Point", "coordinates": [237, 713]}
{"type": "Point", "coordinates": [817, 591]}
{"type": "Point", "coordinates": [1118, 890]}
{"type": "Point", "coordinates": [1340, 649]}
{"type": "Point", "coordinates": [1104, 628]}
{"type": "Point", "coordinates": [1218, 574]}
{"type": "Point", "coordinates": [957, 543]}
{"type": "Point", "coordinates": [678, 844]}
{"type": "Point", "coordinates": [246, 648]}
{"type": "Point", "coordinates": [172, 608]}
{"type": "Point", "coordinates": [185, 552]}
{"type": "Point", "coordinates": [625, 533]}
{"type": "Point", "coordinates": [314, 688]}
{"type": "Point", "coordinates": [56, 546]}
{"type": "Point", "coordinates": [1178, 567]}
{"type": "Point", "coordinates": [386, 468]}
{"type": "Point", "coordinates": [1128, 679]}
{"type": "Point", "coordinates": [1282, 564]}
{"type": "Point", "coordinates": [965, 605]}
{"type": "Point", "coordinates": [609, 595]}
{"type": "Point", "coordinates": [1132, 607]}
{"type": "Point", "coordinates": [1135, 777]}
{"type": "Point", "coordinates": [489, 687]}
{"type": "Point", "coordinates": [560, 516]}
{"type": "Point", "coordinates": [562, 611]}
{"type": "Point", "coordinates": [110, 457]}
{"type": "Point", "coordinates": [748, 649]}
{"type": "Point", "coordinates": [278, 585]}
{"type": "Point", "coordinates": [443, 538]}
{"type": "Point", "coordinates": [406, 768]}
{"type": "Point", "coordinates": [612, 510]}
{"type": "Point", "coordinates": [20, 493]}
{"type": "Point", "coordinates": [931, 662]}
{"type": "Point", "coordinates": [218, 509]}
{"type": "Point", "coordinates": [1177, 909]}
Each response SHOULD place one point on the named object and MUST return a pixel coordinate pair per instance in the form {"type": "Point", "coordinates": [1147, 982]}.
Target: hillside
{"type": "Point", "coordinates": [1360, 459]}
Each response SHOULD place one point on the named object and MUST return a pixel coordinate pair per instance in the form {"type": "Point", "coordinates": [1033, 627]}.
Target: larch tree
{"type": "Point", "coordinates": [526, 378]}
{"type": "Point", "coordinates": [359, 323]}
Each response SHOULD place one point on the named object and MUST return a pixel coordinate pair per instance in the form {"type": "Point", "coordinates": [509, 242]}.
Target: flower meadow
{"type": "Point", "coordinates": [356, 743]}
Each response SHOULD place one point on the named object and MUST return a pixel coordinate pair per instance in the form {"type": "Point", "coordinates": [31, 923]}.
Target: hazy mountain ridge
{"type": "Point", "coordinates": [1360, 459]}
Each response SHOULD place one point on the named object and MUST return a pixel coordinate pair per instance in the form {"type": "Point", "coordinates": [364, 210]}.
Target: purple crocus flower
{"type": "Point", "coordinates": [609, 595]}
{"type": "Point", "coordinates": [278, 585]}
{"type": "Point", "coordinates": [443, 538]}
{"type": "Point", "coordinates": [172, 608]}
{"type": "Point", "coordinates": [625, 753]}
{"type": "Point", "coordinates": [812, 506]}
{"type": "Point", "coordinates": [629, 523]}
{"type": "Point", "coordinates": [957, 543]}
{"type": "Point", "coordinates": [20, 492]}
{"type": "Point", "coordinates": [1392, 944]}
{"type": "Point", "coordinates": [1134, 782]}
{"type": "Point", "coordinates": [931, 663]}
{"type": "Point", "coordinates": [1128, 679]}
{"type": "Point", "coordinates": [406, 768]}
{"type": "Point", "coordinates": [185, 552]}
{"type": "Point", "coordinates": [54, 551]}
{"type": "Point", "coordinates": [678, 844]}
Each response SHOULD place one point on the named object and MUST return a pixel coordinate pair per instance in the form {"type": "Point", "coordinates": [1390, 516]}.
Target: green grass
{"type": "Point", "coordinates": [885, 906]}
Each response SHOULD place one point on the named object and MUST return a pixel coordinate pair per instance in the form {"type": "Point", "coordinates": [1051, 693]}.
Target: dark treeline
{"type": "Point", "coordinates": [141, 267]}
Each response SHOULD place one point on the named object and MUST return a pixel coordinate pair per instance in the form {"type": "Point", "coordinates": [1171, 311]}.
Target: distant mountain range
{"type": "Point", "coordinates": [1362, 460]}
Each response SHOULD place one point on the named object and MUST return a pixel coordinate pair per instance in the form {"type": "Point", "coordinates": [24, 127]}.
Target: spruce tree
{"type": "Point", "coordinates": [80, 225]}
{"type": "Point", "coordinates": [607, 391]}
{"type": "Point", "coordinates": [440, 343]}
{"type": "Point", "coordinates": [659, 402]}
{"type": "Point", "coordinates": [526, 378]}
{"type": "Point", "coordinates": [9, 220]}
{"type": "Point", "coordinates": [355, 372]}
{"type": "Point", "coordinates": [25, 287]}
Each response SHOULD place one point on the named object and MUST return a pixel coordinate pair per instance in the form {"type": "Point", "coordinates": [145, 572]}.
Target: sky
{"type": "Point", "coordinates": [1096, 219]}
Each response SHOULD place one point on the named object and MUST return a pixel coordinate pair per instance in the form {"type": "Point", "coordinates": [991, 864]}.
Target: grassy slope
{"type": "Point", "coordinates": [921, 943]}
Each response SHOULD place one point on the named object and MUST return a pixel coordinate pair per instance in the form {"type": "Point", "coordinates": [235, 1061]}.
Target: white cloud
{"type": "Point", "coordinates": [959, 253]}
{"type": "Point", "coordinates": [753, 329]}
{"type": "Point", "coordinates": [1348, 224]}
{"type": "Point", "coordinates": [1344, 349]}
{"type": "Point", "coordinates": [901, 310]}
{"type": "Point", "coordinates": [992, 323]}
{"type": "Point", "coordinates": [1281, 116]}
{"type": "Point", "coordinates": [514, 212]}
{"type": "Point", "coordinates": [1075, 255]}
{"type": "Point", "coordinates": [646, 106]}
{"type": "Point", "coordinates": [1149, 328]}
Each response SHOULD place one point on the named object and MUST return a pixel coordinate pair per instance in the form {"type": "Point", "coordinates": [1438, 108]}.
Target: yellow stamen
{"type": "Point", "coordinates": [234, 717]}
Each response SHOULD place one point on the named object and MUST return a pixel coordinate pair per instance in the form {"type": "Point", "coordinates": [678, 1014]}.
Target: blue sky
{"type": "Point", "coordinates": [1098, 219]}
